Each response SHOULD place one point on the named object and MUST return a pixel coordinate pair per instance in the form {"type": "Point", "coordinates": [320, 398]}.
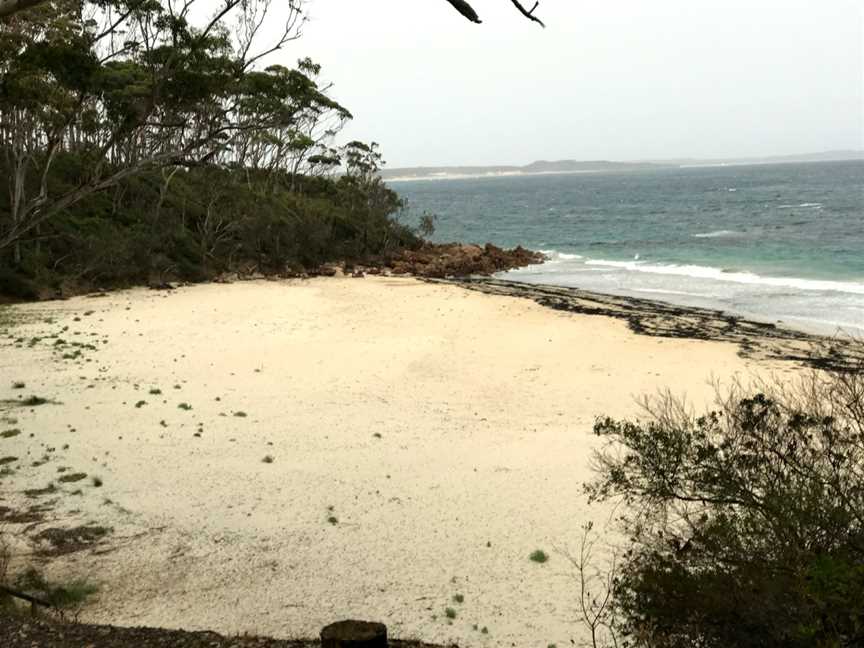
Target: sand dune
{"type": "Point", "coordinates": [446, 433]}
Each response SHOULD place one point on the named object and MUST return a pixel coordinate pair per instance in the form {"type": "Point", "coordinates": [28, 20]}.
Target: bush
{"type": "Point", "coordinates": [746, 523]}
{"type": "Point", "coordinates": [209, 220]}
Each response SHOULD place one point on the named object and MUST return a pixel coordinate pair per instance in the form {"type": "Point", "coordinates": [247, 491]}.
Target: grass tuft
{"type": "Point", "coordinates": [539, 556]}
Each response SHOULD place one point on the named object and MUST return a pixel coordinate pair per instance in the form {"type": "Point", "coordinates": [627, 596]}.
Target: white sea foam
{"type": "Point", "coordinates": [810, 205]}
{"type": "Point", "coordinates": [719, 234]}
{"type": "Point", "coordinates": [555, 255]}
{"type": "Point", "coordinates": [717, 274]}
{"type": "Point", "coordinates": [661, 291]}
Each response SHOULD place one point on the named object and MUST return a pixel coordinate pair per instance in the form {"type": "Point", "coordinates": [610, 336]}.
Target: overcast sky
{"type": "Point", "coordinates": [607, 79]}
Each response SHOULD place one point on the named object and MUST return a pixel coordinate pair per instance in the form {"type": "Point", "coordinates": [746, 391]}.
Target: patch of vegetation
{"type": "Point", "coordinates": [268, 459]}
{"type": "Point", "coordinates": [745, 521]}
{"type": "Point", "coordinates": [450, 613]}
{"type": "Point", "coordinates": [539, 556]}
{"type": "Point", "coordinates": [39, 492]}
{"type": "Point", "coordinates": [458, 598]}
{"type": "Point", "coordinates": [62, 595]}
{"type": "Point", "coordinates": [185, 406]}
{"type": "Point", "coordinates": [240, 414]}
{"type": "Point", "coordinates": [66, 541]}
{"type": "Point", "coordinates": [72, 477]}
{"type": "Point", "coordinates": [8, 434]}
{"type": "Point", "coordinates": [97, 482]}
{"type": "Point", "coordinates": [140, 404]}
{"type": "Point", "coordinates": [332, 519]}
{"type": "Point", "coordinates": [155, 391]}
{"type": "Point", "coordinates": [30, 401]}
{"type": "Point", "coordinates": [34, 401]}
{"type": "Point", "coordinates": [7, 460]}
{"type": "Point", "coordinates": [18, 385]}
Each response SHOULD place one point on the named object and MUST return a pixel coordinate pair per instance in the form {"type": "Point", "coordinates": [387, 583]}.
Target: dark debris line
{"type": "Point", "coordinates": [756, 340]}
{"type": "Point", "coordinates": [23, 632]}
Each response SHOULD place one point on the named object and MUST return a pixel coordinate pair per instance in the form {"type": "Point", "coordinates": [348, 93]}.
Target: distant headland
{"type": "Point", "coordinates": [543, 167]}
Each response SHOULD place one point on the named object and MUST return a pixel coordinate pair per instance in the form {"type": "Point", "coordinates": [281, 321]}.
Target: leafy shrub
{"type": "Point", "coordinates": [747, 522]}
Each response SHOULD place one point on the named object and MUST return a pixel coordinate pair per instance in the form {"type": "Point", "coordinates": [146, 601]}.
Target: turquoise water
{"type": "Point", "coordinates": [774, 242]}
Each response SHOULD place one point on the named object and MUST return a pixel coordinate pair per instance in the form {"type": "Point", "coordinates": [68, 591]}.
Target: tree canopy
{"type": "Point", "coordinates": [125, 124]}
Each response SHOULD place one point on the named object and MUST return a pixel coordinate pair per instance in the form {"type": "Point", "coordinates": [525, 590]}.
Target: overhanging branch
{"type": "Point", "coordinates": [529, 14]}
{"type": "Point", "coordinates": [468, 11]}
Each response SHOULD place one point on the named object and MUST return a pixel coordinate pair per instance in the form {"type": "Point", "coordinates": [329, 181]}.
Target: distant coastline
{"type": "Point", "coordinates": [568, 167]}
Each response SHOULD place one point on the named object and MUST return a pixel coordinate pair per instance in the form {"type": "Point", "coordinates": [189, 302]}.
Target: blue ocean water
{"type": "Point", "coordinates": [778, 242]}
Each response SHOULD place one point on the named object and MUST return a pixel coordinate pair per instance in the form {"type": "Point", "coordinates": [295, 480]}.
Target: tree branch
{"type": "Point", "coordinates": [468, 11]}
{"type": "Point", "coordinates": [529, 14]}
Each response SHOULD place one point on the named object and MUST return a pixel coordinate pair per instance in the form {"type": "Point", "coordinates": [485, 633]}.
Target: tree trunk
{"type": "Point", "coordinates": [354, 634]}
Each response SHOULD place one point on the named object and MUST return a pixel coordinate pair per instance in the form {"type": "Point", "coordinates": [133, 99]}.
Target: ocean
{"type": "Point", "coordinates": [777, 243]}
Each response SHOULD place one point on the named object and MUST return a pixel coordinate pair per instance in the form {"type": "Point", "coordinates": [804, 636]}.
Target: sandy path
{"type": "Point", "coordinates": [434, 421]}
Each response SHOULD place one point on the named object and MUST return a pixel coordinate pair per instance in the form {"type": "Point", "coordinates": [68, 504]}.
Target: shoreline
{"type": "Point", "coordinates": [762, 341]}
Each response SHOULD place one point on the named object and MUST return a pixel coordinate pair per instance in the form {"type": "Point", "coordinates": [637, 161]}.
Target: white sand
{"type": "Point", "coordinates": [484, 406]}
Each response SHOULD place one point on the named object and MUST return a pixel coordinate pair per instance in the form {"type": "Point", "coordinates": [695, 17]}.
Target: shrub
{"type": "Point", "coordinates": [747, 522]}
{"type": "Point", "coordinates": [539, 556]}
{"type": "Point", "coordinates": [60, 595]}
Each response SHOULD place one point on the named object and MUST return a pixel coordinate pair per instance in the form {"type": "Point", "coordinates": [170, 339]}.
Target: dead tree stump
{"type": "Point", "coordinates": [354, 634]}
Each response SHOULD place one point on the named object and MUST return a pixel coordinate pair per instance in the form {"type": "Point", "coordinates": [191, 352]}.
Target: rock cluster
{"type": "Point", "coordinates": [458, 260]}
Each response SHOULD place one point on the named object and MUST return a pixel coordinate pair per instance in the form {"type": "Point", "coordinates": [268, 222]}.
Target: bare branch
{"type": "Point", "coordinates": [529, 14]}
{"type": "Point", "coordinates": [466, 10]}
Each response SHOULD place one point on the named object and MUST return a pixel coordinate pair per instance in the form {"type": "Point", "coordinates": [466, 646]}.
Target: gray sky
{"type": "Point", "coordinates": [607, 79]}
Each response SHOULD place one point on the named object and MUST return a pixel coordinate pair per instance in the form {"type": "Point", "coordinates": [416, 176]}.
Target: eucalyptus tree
{"type": "Point", "coordinates": [125, 86]}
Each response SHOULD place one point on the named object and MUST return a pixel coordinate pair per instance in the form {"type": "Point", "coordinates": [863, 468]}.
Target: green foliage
{"type": "Point", "coordinates": [64, 595]}
{"type": "Point", "coordinates": [539, 556]}
{"type": "Point", "coordinates": [746, 523]}
{"type": "Point", "coordinates": [144, 144]}
{"type": "Point", "coordinates": [208, 221]}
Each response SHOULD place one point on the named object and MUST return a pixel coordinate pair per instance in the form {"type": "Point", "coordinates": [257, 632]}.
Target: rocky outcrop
{"type": "Point", "coordinates": [459, 260]}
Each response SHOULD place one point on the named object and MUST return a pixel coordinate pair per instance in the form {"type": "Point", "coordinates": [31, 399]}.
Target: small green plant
{"type": "Point", "coordinates": [539, 556]}
{"type": "Point", "coordinates": [268, 459]}
{"type": "Point", "coordinates": [59, 595]}
{"type": "Point", "coordinates": [33, 401]}
{"type": "Point", "coordinates": [450, 613]}
{"type": "Point", "coordinates": [484, 630]}
{"type": "Point", "coordinates": [18, 385]}
{"type": "Point", "coordinates": [8, 434]}
{"type": "Point", "coordinates": [458, 598]}
{"type": "Point", "coordinates": [140, 404]}
{"type": "Point", "coordinates": [333, 520]}
{"type": "Point", "coordinates": [185, 406]}
{"type": "Point", "coordinates": [97, 482]}
{"type": "Point", "coordinates": [155, 391]}
{"type": "Point", "coordinates": [240, 414]}
{"type": "Point", "coordinates": [72, 477]}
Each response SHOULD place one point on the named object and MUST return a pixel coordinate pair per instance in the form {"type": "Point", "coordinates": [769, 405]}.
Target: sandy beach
{"type": "Point", "coordinates": [275, 456]}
